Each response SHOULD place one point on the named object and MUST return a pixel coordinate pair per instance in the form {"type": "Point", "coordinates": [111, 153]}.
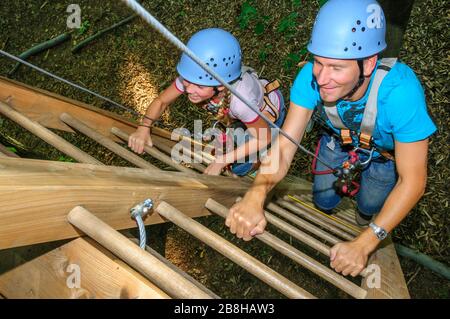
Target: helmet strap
{"type": "Point", "coordinates": [216, 91]}
{"type": "Point", "coordinates": [360, 80]}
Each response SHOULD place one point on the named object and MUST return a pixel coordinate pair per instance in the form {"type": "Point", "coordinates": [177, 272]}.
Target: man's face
{"type": "Point", "coordinates": [198, 93]}
{"type": "Point", "coordinates": [336, 78]}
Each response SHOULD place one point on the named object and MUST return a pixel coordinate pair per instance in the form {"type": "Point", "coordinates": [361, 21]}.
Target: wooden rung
{"type": "Point", "coordinates": [106, 142]}
{"type": "Point", "coordinates": [153, 152]}
{"type": "Point", "coordinates": [101, 275]}
{"type": "Point", "coordinates": [345, 215]}
{"type": "Point", "coordinates": [175, 268]}
{"type": "Point", "coordinates": [164, 277]}
{"type": "Point", "coordinates": [47, 135]}
{"type": "Point", "coordinates": [332, 220]}
{"type": "Point", "coordinates": [297, 256]}
{"type": "Point", "coordinates": [349, 220]}
{"type": "Point", "coordinates": [303, 223]}
{"type": "Point", "coordinates": [298, 211]}
{"type": "Point", "coordinates": [295, 232]}
{"type": "Point", "coordinates": [301, 236]}
{"type": "Point", "coordinates": [235, 254]}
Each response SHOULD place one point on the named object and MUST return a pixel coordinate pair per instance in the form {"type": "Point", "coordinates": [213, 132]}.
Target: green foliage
{"type": "Point", "coordinates": [322, 2]}
{"type": "Point", "coordinates": [264, 53]}
{"type": "Point", "coordinates": [248, 13]}
{"type": "Point", "coordinates": [12, 149]}
{"type": "Point", "coordinates": [296, 3]}
{"type": "Point", "coordinates": [65, 159]}
{"type": "Point", "coordinates": [84, 27]}
{"type": "Point", "coordinates": [249, 16]}
{"type": "Point", "coordinates": [294, 58]}
{"type": "Point", "coordinates": [288, 25]}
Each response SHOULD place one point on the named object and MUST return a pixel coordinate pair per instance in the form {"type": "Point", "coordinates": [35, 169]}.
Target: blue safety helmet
{"type": "Point", "coordinates": [348, 29]}
{"type": "Point", "coordinates": [219, 49]}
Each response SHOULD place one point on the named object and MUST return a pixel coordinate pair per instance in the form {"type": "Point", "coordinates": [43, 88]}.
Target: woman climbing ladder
{"type": "Point", "coordinates": [220, 50]}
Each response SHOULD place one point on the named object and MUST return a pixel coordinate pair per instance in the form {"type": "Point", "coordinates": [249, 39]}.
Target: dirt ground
{"type": "Point", "coordinates": [133, 63]}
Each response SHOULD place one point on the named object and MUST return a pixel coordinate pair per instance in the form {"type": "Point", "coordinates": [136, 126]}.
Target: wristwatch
{"type": "Point", "coordinates": [380, 232]}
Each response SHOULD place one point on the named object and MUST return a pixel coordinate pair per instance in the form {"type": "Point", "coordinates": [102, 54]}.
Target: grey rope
{"type": "Point", "coordinates": [137, 212]}
{"type": "Point", "coordinates": [13, 57]}
{"type": "Point", "coordinates": [144, 14]}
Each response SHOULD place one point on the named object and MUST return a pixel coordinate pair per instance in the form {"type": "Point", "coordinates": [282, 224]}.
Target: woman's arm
{"type": "Point", "coordinates": [141, 137]}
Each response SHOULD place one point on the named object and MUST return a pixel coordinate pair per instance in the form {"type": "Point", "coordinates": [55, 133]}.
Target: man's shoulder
{"type": "Point", "coordinates": [400, 81]}
{"type": "Point", "coordinates": [400, 75]}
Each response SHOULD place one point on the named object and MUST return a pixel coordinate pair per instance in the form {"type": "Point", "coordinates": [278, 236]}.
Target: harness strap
{"type": "Point", "coordinates": [370, 111]}
{"type": "Point", "coordinates": [268, 88]}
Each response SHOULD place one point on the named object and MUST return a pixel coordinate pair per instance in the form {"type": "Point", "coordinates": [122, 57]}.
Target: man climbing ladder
{"type": "Point", "coordinates": [370, 108]}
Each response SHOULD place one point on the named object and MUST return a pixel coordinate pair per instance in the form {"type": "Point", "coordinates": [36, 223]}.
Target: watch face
{"type": "Point", "coordinates": [382, 234]}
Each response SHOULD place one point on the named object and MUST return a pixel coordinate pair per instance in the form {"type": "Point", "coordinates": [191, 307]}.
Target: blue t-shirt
{"type": "Point", "coordinates": [402, 111]}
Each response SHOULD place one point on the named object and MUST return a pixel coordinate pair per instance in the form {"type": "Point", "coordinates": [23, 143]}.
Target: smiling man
{"type": "Point", "coordinates": [370, 110]}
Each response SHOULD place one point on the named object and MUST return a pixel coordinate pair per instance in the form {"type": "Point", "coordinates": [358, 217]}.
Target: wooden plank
{"type": "Point", "coordinates": [167, 279]}
{"type": "Point", "coordinates": [101, 275]}
{"type": "Point", "coordinates": [37, 195]}
{"type": "Point", "coordinates": [45, 108]}
{"type": "Point", "coordinates": [47, 135]}
{"type": "Point", "coordinates": [392, 283]}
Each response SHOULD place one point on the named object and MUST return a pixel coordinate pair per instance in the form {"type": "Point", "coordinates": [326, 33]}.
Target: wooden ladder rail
{"type": "Point", "coordinates": [47, 135]}
{"type": "Point", "coordinates": [106, 142]}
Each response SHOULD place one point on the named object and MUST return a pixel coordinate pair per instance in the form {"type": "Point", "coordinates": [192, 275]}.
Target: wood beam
{"type": "Point", "coordinates": [392, 283]}
{"type": "Point", "coordinates": [37, 195]}
{"type": "Point", "coordinates": [158, 272]}
{"type": "Point", "coordinates": [102, 275]}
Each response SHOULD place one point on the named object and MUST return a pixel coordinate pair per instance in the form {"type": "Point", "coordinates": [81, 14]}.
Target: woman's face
{"type": "Point", "coordinates": [198, 93]}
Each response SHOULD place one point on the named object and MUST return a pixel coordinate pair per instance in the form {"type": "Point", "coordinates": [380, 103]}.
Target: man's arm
{"type": "Point", "coordinates": [411, 162]}
{"type": "Point", "coordinates": [246, 218]}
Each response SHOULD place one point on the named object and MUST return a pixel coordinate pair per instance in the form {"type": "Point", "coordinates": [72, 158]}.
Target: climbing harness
{"type": "Point", "coordinates": [349, 172]}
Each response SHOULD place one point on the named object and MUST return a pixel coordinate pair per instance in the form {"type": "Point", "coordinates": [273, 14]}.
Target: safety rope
{"type": "Point", "coordinates": [138, 212]}
{"type": "Point", "coordinates": [56, 77]}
